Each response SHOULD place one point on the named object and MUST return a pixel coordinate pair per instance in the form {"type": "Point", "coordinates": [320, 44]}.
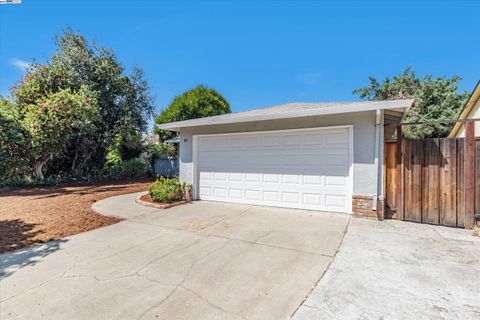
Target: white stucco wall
{"type": "Point", "coordinates": [363, 143]}
{"type": "Point", "coordinates": [475, 114]}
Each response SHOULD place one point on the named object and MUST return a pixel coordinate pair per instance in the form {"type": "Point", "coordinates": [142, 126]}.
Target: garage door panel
{"type": "Point", "coordinates": [253, 177]}
{"type": "Point", "coordinates": [235, 193]}
{"type": "Point", "coordinates": [270, 195]}
{"type": "Point", "coordinates": [271, 178]}
{"type": "Point", "coordinates": [205, 191]}
{"type": "Point", "coordinates": [300, 169]}
{"type": "Point", "coordinates": [312, 199]}
{"type": "Point", "coordinates": [222, 176]}
{"type": "Point", "coordinates": [335, 201]}
{"type": "Point", "coordinates": [336, 181]}
{"type": "Point", "coordinates": [205, 175]}
{"type": "Point", "coordinates": [291, 197]}
{"type": "Point", "coordinates": [235, 176]}
{"type": "Point", "coordinates": [313, 180]}
{"type": "Point", "coordinates": [291, 179]}
{"type": "Point", "coordinates": [252, 194]}
{"type": "Point", "coordinates": [220, 192]}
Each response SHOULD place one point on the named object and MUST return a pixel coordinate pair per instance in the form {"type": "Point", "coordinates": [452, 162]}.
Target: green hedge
{"type": "Point", "coordinates": [133, 168]}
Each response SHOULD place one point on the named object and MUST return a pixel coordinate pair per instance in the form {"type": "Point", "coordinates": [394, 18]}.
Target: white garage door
{"type": "Point", "coordinates": [308, 169]}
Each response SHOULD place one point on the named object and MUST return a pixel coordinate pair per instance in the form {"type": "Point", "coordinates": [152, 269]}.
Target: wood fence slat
{"type": "Point", "coordinates": [460, 183]}
{"type": "Point", "coordinates": [477, 176]}
{"type": "Point", "coordinates": [407, 169]}
{"type": "Point", "coordinates": [390, 179]}
{"type": "Point", "coordinates": [431, 183]}
{"type": "Point", "coordinates": [417, 174]}
{"type": "Point", "coordinates": [469, 174]}
{"type": "Point", "coordinates": [413, 181]}
{"type": "Point", "coordinates": [400, 195]}
{"type": "Point", "coordinates": [448, 182]}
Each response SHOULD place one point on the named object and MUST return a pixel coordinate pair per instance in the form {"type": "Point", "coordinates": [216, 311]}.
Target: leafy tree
{"type": "Point", "coordinates": [195, 103]}
{"type": "Point", "coordinates": [12, 140]}
{"type": "Point", "coordinates": [122, 102]}
{"type": "Point", "coordinates": [158, 149]}
{"type": "Point", "coordinates": [49, 122]}
{"type": "Point", "coordinates": [435, 99]}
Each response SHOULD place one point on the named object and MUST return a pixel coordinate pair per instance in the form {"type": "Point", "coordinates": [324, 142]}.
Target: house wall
{"type": "Point", "coordinates": [364, 171]}
{"type": "Point", "coordinates": [475, 114]}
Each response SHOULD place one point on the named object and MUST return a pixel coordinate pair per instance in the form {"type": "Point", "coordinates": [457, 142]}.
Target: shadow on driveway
{"type": "Point", "coordinates": [16, 234]}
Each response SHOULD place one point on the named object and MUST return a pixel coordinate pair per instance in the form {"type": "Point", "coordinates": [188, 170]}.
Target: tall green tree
{"type": "Point", "coordinates": [50, 121]}
{"type": "Point", "coordinates": [13, 161]}
{"type": "Point", "coordinates": [123, 103]}
{"type": "Point", "coordinates": [435, 99]}
{"type": "Point", "coordinates": [195, 103]}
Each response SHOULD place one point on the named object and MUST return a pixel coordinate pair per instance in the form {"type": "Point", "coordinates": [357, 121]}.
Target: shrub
{"type": "Point", "coordinates": [156, 150]}
{"type": "Point", "coordinates": [113, 158]}
{"type": "Point", "coordinates": [167, 190]}
{"type": "Point", "coordinates": [133, 168]}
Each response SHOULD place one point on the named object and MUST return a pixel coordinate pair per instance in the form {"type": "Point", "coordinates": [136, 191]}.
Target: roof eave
{"type": "Point", "coordinates": [467, 109]}
{"type": "Point", "coordinates": [176, 126]}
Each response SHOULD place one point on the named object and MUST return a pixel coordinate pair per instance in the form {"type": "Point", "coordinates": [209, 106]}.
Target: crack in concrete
{"type": "Point", "coordinates": [213, 304]}
{"type": "Point", "coordinates": [167, 254]}
{"type": "Point", "coordinates": [236, 239]}
{"type": "Point", "coordinates": [328, 312]}
{"type": "Point", "coordinates": [34, 287]}
{"type": "Point", "coordinates": [75, 259]}
{"type": "Point", "coordinates": [180, 284]}
{"type": "Point", "coordinates": [137, 272]}
{"type": "Point", "coordinates": [272, 246]}
{"type": "Point", "coordinates": [223, 219]}
{"type": "Point", "coordinates": [74, 263]}
{"type": "Point", "coordinates": [127, 249]}
{"type": "Point", "coordinates": [324, 271]}
{"type": "Point", "coordinates": [264, 236]}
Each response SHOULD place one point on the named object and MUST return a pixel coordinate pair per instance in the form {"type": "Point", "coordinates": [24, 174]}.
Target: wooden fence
{"type": "Point", "coordinates": [428, 180]}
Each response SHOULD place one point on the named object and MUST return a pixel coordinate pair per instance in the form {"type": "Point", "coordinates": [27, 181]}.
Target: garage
{"type": "Point", "coordinates": [325, 156]}
{"type": "Point", "coordinates": [305, 168]}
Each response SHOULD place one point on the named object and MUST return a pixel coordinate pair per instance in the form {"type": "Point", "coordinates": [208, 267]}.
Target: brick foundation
{"type": "Point", "coordinates": [362, 207]}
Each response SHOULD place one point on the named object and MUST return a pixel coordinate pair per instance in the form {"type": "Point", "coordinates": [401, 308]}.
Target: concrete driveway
{"type": "Point", "coordinates": [399, 270]}
{"type": "Point", "coordinates": [197, 261]}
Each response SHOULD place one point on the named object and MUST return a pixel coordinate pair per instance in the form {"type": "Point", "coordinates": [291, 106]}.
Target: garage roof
{"type": "Point", "coordinates": [291, 110]}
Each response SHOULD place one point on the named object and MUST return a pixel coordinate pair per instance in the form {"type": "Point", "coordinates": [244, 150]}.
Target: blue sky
{"type": "Point", "coordinates": [256, 53]}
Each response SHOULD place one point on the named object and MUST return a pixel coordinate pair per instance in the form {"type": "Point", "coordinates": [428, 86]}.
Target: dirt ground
{"type": "Point", "coordinates": [31, 216]}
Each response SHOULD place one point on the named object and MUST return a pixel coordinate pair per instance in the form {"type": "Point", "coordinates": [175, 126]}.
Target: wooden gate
{"type": "Point", "coordinates": [427, 181]}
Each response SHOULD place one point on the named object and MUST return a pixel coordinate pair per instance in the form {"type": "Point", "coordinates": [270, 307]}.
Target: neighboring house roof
{"type": "Point", "coordinates": [150, 138]}
{"type": "Point", "coordinates": [173, 140]}
{"type": "Point", "coordinates": [291, 110]}
{"type": "Point", "coordinates": [467, 110]}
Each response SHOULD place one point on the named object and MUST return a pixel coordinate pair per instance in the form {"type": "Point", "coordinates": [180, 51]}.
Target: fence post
{"type": "Point", "coordinates": [399, 178]}
{"type": "Point", "coordinates": [469, 174]}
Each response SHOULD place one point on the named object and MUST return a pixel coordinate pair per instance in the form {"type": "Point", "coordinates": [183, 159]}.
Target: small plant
{"type": "Point", "coordinates": [167, 190]}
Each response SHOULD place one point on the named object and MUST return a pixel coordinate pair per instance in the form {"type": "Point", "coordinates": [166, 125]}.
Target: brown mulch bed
{"type": "Point", "coordinates": [31, 216]}
{"type": "Point", "coordinates": [147, 198]}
